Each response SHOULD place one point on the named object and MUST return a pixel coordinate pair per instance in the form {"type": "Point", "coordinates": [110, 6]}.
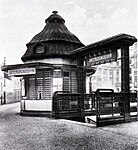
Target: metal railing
{"type": "Point", "coordinates": [105, 105]}
{"type": "Point", "coordinates": [72, 103]}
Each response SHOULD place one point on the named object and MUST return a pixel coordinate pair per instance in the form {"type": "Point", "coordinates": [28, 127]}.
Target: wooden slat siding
{"type": "Point", "coordinates": [66, 84]}
{"type": "Point", "coordinates": [47, 85]}
{"type": "Point", "coordinates": [39, 83]}
{"type": "Point", "coordinates": [73, 82]}
{"type": "Point", "coordinates": [31, 83]}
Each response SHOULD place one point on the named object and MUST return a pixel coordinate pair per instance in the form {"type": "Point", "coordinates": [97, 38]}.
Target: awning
{"type": "Point", "coordinates": [25, 69]}
{"type": "Point", "coordinates": [89, 70]}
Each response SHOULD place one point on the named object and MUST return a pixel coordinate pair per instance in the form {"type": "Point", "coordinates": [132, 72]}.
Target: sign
{"type": "Point", "coordinates": [24, 71]}
{"type": "Point", "coordinates": [104, 58]}
{"type": "Point", "coordinates": [6, 75]}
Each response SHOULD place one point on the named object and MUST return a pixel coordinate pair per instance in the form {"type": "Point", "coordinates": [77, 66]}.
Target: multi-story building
{"type": "Point", "coordinates": [109, 75]}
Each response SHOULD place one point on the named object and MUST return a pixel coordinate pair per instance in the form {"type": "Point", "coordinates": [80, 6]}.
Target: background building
{"type": "Point", "coordinates": [10, 89]}
{"type": "Point", "coordinates": [109, 75]}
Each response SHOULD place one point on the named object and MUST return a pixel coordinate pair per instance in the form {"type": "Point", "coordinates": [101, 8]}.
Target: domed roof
{"type": "Point", "coordinates": [54, 32]}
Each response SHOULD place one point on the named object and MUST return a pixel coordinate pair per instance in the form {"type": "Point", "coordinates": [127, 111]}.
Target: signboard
{"type": "Point", "coordinates": [101, 58]}
{"type": "Point", "coordinates": [24, 71]}
{"type": "Point", "coordinates": [6, 75]}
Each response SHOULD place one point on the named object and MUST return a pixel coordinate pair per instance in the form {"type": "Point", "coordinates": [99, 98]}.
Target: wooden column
{"type": "Point", "coordinates": [125, 85]}
{"type": "Point", "coordinates": [81, 83]}
{"type": "Point", "coordinates": [81, 79]}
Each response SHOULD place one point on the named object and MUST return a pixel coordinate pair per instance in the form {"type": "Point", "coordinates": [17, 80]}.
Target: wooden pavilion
{"type": "Point", "coordinates": [56, 60]}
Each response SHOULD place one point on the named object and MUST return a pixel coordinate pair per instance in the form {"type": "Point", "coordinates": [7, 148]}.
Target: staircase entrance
{"type": "Point", "coordinates": [103, 107]}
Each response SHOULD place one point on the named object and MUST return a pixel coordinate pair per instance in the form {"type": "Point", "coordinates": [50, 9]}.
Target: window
{"type": "Point", "coordinates": [130, 79]}
{"type": "Point", "coordinates": [135, 78]}
{"type": "Point", "coordinates": [66, 74]}
{"type": "Point", "coordinates": [117, 80]}
{"type": "Point", "coordinates": [117, 63]}
{"type": "Point", "coordinates": [39, 86]}
{"type": "Point", "coordinates": [39, 49]}
{"type": "Point", "coordinates": [105, 78]}
{"type": "Point", "coordinates": [130, 61]}
{"type": "Point", "coordinates": [57, 73]}
{"type": "Point", "coordinates": [57, 80]}
{"type": "Point", "coordinates": [99, 70]}
{"type": "Point", "coordinates": [111, 72]}
{"type": "Point", "coordinates": [135, 72]}
{"type": "Point", "coordinates": [117, 72]}
{"type": "Point", "coordinates": [111, 78]}
{"type": "Point", "coordinates": [105, 71]}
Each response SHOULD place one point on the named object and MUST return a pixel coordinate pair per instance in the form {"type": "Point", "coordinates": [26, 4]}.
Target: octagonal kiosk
{"type": "Point", "coordinates": [48, 66]}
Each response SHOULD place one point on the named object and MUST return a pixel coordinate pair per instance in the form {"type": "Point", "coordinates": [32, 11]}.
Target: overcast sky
{"type": "Point", "coordinates": [89, 20]}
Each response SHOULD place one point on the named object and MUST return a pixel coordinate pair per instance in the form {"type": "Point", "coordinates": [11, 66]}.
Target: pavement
{"type": "Point", "coordinates": [42, 133]}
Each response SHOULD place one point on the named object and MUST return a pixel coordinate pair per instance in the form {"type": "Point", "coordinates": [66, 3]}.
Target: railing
{"type": "Point", "coordinates": [107, 106]}
{"type": "Point", "coordinates": [72, 104]}
{"type": "Point", "coordinates": [111, 107]}
{"type": "Point", "coordinates": [89, 102]}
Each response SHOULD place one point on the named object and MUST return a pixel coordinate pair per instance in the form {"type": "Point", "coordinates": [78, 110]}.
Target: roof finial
{"type": "Point", "coordinates": [54, 12]}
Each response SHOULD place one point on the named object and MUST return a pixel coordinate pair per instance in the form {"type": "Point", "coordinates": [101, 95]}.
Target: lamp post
{"type": "Point", "coordinates": [4, 88]}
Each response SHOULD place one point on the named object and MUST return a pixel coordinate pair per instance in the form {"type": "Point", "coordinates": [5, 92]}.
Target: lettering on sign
{"type": "Point", "coordinates": [24, 71]}
{"type": "Point", "coordinates": [105, 58]}
{"type": "Point", "coordinates": [100, 58]}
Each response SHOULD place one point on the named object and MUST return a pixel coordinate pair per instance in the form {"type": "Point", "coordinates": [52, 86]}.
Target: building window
{"type": "Point", "coordinates": [93, 77]}
{"type": "Point", "coordinates": [117, 72]}
{"type": "Point", "coordinates": [117, 63]}
{"type": "Point", "coordinates": [135, 85]}
{"type": "Point", "coordinates": [105, 78]}
{"type": "Point", "coordinates": [111, 72]}
{"type": "Point", "coordinates": [130, 61]}
{"type": "Point", "coordinates": [111, 78]}
{"type": "Point", "coordinates": [135, 72]}
{"type": "Point", "coordinates": [66, 74]}
{"type": "Point", "coordinates": [99, 70]}
{"type": "Point", "coordinates": [57, 73]}
{"type": "Point", "coordinates": [39, 86]}
{"type": "Point", "coordinates": [117, 80]}
{"type": "Point", "coordinates": [130, 70]}
{"type": "Point", "coordinates": [135, 78]}
{"type": "Point", "coordinates": [105, 71]}
{"type": "Point", "coordinates": [39, 49]}
{"type": "Point", "coordinates": [130, 79]}
{"type": "Point", "coordinates": [57, 80]}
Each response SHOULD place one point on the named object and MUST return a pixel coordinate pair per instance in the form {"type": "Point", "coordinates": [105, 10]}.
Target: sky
{"type": "Point", "coordinates": [89, 20]}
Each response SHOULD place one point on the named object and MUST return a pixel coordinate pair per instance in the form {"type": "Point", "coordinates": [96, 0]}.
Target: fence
{"type": "Point", "coordinates": [111, 107]}
{"type": "Point", "coordinates": [107, 106]}
{"type": "Point", "coordinates": [66, 105]}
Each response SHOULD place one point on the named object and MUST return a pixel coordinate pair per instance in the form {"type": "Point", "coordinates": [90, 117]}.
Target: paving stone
{"type": "Point", "coordinates": [41, 133]}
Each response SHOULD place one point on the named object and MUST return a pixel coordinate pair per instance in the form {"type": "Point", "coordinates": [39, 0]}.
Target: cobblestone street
{"type": "Point", "coordinates": [41, 133]}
